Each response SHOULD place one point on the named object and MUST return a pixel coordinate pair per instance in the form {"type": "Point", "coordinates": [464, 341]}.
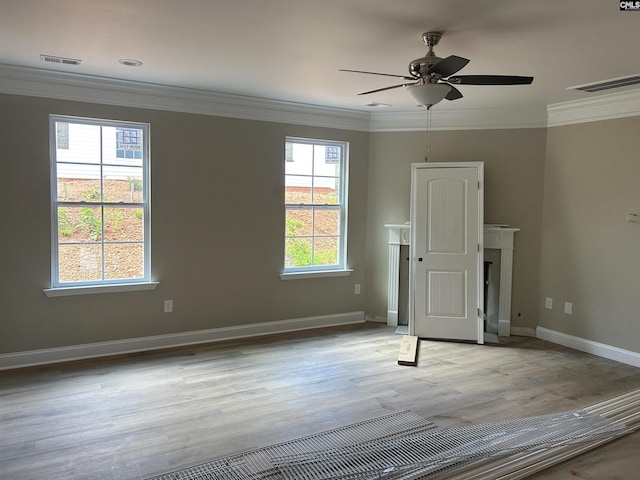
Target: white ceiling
{"type": "Point", "coordinates": [292, 49]}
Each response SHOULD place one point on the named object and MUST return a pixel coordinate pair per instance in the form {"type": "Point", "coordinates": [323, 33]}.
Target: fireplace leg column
{"type": "Point", "coordinates": [393, 285]}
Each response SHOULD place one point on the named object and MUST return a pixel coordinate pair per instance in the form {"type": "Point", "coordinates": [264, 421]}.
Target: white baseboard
{"type": "Point", "coordinates": [378, 319]}
{"type": "Point", "coordinates": [589, 346]}
{"type": "Point", "coordinates": [131, 345]}
{"type": "Point", "coordinates": [523, 332]}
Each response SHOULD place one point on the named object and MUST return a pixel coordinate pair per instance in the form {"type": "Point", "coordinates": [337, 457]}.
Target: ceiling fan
{"type": "Point", "coordinates": [431, 77]}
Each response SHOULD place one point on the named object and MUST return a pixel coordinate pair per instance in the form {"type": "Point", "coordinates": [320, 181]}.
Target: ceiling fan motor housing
{"type": "Point", "coordinates": [418, 68]}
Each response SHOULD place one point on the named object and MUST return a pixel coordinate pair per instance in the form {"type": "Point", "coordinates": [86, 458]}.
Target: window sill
{"type": "Point", "coordinates": [91, 289]}
{"type": "Point", "coordinates": [316, 274]}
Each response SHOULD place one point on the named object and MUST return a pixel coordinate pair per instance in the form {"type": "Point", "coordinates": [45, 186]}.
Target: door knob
{"type": "Point", "coordinates": [419, 259]}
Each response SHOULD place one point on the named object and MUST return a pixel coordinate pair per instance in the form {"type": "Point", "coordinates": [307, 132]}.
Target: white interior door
{"type": "Point", "coordinates": [446, 293]}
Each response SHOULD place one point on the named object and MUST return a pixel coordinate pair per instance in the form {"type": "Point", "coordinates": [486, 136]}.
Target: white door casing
{"type": "Point", "coordinates": [446, 268]}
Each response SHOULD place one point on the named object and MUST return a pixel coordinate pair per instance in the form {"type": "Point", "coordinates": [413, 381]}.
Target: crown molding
{"type": "Point", "coordinates": [69, 86]}
{"type": "Point", "coordinates": [602, 107]}
{"type": "Point", "coordinates": [83, 88]}
{"type": "Point", "coordinates": [463, 119]}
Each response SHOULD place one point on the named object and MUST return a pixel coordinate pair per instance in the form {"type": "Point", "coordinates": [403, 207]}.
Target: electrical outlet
{"type": "Point", "coordinates": [548, 303]}
{"type": "Point", "coordinates": [568, 308]}
{"type": "Point", "coordinates": [357, 289]}
{"type": "Point", "coordinates": [168, 306]}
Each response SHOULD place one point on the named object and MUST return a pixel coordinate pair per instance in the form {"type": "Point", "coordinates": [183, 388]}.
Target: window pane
{"type": "Point", "coordinates": [68, 224]}
{"type": "Point", "coordinates": [123, 261]}
{"type": "Point", "coordinates": [299, 222]}
{"type": "Point", "coordinates": [326, 222]}
{"type": "Point", "coordinates": [122, 184]}
{"type": "Point", "coordinates": [297, 252]}
{"type": "Point", "coordinates": [62, 135]}
{"type": "Point", "coordinates": [122, 145]}
{"type": "Point", "coordinates": [79, 263]}
{"type": "Point", "coordinates": [77, 143]}
{"type": "Point", "coordinates": [79, 224]}
{"type": "Point", "coordinates": [78, 183]}
{"type": "Point", "coordinates": [301, 161]}
{"type": "Point", "coordinates": [326, 191]}
{"type": "Point", "coordinates": [325, 251]}
{"type": "Point", "coordinates": [123, 224]}
{"type": "Point", "coordinates": [298, 190]}
{"type": "Point", "coordinates": [327, 161]}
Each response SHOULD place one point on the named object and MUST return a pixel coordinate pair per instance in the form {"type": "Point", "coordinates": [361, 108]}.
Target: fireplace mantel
{"type": "Point", "coordinates": [498, 237]}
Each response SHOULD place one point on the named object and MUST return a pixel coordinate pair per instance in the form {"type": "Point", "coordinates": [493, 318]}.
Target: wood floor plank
{"type": "Point", "coordinates": [133, 416]}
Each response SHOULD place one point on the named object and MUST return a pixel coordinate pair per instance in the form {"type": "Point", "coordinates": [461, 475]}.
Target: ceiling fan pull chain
{"type": "Point", "coordinates": [428, 136]}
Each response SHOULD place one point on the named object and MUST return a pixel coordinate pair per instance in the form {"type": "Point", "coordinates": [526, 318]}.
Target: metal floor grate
{"type": "Point", "coordinates": [425, 454]}
{"type": "Point", "coordinates": [258, 464]}
{"type": "Point", "coordinates": [401, 446]}
{"type": "Point", "coordinates": [404, 446]}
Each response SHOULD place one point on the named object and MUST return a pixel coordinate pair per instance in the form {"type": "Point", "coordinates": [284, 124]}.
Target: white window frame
{"type": "Point", "coordinates": [341, 267]}
{"type": "Point", "coordinates": [59, 288]}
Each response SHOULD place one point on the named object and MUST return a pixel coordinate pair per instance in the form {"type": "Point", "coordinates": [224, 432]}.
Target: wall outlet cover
{"type": "Point", "coordinates": [568, 308]}
{"type": "Point", "coordinates": [168, 306]}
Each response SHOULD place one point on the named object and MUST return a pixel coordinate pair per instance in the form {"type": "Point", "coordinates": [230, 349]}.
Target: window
{"type": "Point", "coordinates": [315, 205]}
{"type": "Point", "coordinates": [100, 205]}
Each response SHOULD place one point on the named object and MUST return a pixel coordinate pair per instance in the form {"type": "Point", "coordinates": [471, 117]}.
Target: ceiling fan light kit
{"type": "Point", "coordinates": [428, 94]}
{"type": "Point", "coordinates": [431, 76]}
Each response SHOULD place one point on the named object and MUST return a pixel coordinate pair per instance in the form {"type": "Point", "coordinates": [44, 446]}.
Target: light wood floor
{"type": "Point", "coordinates": [134, 416]}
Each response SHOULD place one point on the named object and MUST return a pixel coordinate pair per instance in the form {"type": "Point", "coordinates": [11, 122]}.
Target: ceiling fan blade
{"type": "Point", "coordinates": [490, 80]}
{"type": "Point", "coordinates": [448, 66]}
{"type": "Point", "coordinates": [386, 88]}
{"type": "Point", "coordinates": [377, 73]}
{"type": "Point", "coordinates": [453, 94]}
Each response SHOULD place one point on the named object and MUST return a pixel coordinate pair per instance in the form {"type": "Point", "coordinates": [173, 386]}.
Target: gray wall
{"type": "Point", "coordinates": [590, 254]}
{"type": "Point", "coordinates": [514, 173]}
{"type": "Point", "coordinates": [217, 236]}
{"type": "Point", "coordinates": [217, 242]}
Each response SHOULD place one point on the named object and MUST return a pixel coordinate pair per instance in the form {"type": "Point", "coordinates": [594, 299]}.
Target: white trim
{"type": "Point", "coordinates": [601, 107]}
{"type": "Point", "coordinates": [292, 173]}
{"type": "Point", "coordinates": [119, 347]}
{"type": "Point", "coordinates": [58, 157]}
{"type": "Point", "coordinates": [460, 119]}
{"type": "Point", "coordinates": [589, 346]}
{"type": "Point", "coordinates": [398, 236]}
{"type": "Point", "coordinates": [69, 86]}
{"type": "Point", "coordinates": [84, 88]}
{"type": "Point", "coordinates": [376, 318]}
{"type": "Point", "coordinates": [316, 274]}
{"type": "Point", "coordinates": [504, 326]}
{"type": "Point", "coordinates": [523, 332]}
{"type": "Point", "coordinates": [91, 289]}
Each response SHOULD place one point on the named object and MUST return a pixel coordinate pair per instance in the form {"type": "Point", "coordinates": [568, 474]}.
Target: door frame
{"type": "Point", "coordinates": [479, 166]}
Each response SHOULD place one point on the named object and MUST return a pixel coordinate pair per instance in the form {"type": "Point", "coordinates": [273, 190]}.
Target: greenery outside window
{"type": "Point", "coordinates": [100, 202]}
{"type": "Point", "coordinates": [315, 205]}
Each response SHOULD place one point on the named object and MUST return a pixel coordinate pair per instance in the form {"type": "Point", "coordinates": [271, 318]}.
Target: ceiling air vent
{"type": "Point", "coordinates": [608, 84]}
{"type": "Point", "coordinates": [60, 60]}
